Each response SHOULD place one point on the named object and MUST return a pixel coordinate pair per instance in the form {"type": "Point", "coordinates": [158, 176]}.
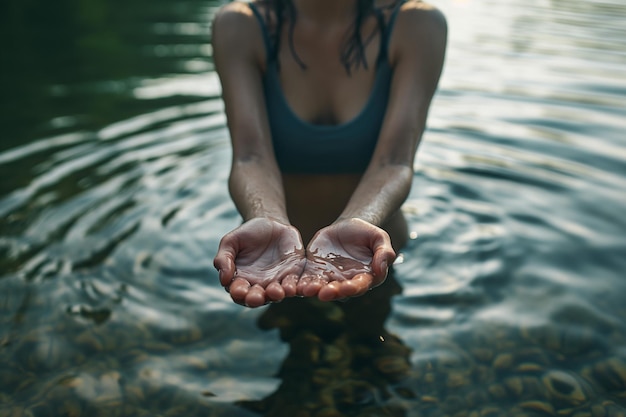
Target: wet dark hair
{"type": "Point", "coordinates": [352, 54]}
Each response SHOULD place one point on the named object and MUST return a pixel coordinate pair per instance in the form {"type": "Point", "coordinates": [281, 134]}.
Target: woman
{"type": "Point", "coordinates": [326, 103]}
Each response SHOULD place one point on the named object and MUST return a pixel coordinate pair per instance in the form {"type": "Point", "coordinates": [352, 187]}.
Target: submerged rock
{"type": "Point", "coordinates": [564, 386]}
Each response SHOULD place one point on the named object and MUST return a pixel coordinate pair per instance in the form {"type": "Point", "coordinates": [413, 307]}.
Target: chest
{"type": "Point", "coordinates": [314, 80]}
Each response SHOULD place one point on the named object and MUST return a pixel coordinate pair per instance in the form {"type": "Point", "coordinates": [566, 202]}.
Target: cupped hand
{"type": "Point", "coordinates": [260, 261]}
{"type": "Point", "coordinates": [346, 259]}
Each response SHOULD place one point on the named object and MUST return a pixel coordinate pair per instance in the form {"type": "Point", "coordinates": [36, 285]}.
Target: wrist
{"type": "Point", "coordinates": [258, 209]}
{"type": "Point", "coordinates": [274, 217]}
{"type": "Point", "coordinates": [357, 218]}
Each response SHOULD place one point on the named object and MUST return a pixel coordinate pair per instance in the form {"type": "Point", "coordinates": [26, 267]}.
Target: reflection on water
{"type": "Point", "coordinates": [114, 156]}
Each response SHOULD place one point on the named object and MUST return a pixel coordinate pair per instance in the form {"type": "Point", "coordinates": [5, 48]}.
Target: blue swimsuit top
{"type": "Point", "coordinates": [306, 148]}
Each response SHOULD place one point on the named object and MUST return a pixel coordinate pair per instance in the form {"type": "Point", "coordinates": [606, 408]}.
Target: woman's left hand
{"type": "Point", "coordinates": [346, 259]}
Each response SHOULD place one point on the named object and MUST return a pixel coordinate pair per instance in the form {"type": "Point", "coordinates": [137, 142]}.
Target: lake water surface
{"type": "Point", "coordinates": [510, 299]}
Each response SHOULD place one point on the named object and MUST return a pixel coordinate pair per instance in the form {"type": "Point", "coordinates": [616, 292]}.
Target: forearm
{"type": "Point", "coordinates": [380, 194]}
{"type": "Point", "coordinates": [257, 191]}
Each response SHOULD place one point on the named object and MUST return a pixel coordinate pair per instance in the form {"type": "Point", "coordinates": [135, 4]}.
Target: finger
{"type": "Point", "coordinates": [239, 289]}
{"type": "Point", "coordinates": [313, 287]}
{"type": "Point", "coordinates": [225, 265]}
{"type": "Point", "coordinates": [226, 275]}
{"type": "Point", "coordinates": [255, 296]}
{"type": "Point", "coordinates": [275, 292]}
{"type": "Point", "coordinates": [303, 282]}
{"type": "Point", "coordinates": [329, 292]}
{"type": "Point", "coordinates": [289, 285]}
{"type": "Point", "coordinates": [383, 257]}
{"type": "Point", "coordinates": [358, 285]}
{"type": "Point", "coordinates": [228, 249]}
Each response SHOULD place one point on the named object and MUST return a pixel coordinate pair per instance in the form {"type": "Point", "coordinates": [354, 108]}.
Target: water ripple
{"type": "Point", "coordinates": [512, 284]}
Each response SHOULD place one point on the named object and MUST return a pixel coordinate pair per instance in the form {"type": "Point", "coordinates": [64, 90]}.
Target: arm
{"type": "Point", "coordinates": [261, 260]}
{"type": "Point", "coordinates": [417, 51]}
{"type": "Point", "coordinates": [255, 182]}
{"type": "Point", "coordinates": [354, 248]}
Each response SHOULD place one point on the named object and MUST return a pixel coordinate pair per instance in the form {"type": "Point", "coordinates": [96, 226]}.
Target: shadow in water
{"type": "Point", "coordinates": [342, 360]}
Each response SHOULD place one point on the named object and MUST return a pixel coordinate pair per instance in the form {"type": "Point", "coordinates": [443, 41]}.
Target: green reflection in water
{"type": "Point", "coordinates": [72, 64]}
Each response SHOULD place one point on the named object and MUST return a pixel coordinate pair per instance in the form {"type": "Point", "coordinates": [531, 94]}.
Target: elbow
{"type": "Point", "coordinates": [405, 175]}
{"type": "Point", "coordinates": [257, 165]}
{"type": "Point", "coordinates": [254, 162]}
{"type": "Point", "coordinates": [400, 174]}
{"type": "Point", "coordinates": [400, 167]}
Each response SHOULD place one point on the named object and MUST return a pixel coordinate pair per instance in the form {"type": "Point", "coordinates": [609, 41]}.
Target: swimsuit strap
{"type": "Point", "coordinates": [266, 35]}
{"type": "Point", "coordinates": [387, 29]}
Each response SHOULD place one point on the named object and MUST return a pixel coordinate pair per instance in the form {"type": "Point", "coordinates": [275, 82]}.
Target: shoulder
{"type": "Point", "coordinates": [235, 17]}
{"type": "Point", "coordinates": [418, 19]}
{"type": "Point", "coordinates": [234, 21]}
{"type": "Point", "coordinates": [418, 12]}
{"type": "Point", "coordinates": [236, 29]}
{"type": "Point", "coordinates": [234, 12]}
{"type": "Point", "coordinates": [419, 26]}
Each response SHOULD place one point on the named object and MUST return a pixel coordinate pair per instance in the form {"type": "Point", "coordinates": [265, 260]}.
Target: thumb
{"type": "Point", "coordinates": [224, 262]}
{"type": "Point", "coordinates": [225, 268]}
{"type": "Point", "coordinates": [384, 256]}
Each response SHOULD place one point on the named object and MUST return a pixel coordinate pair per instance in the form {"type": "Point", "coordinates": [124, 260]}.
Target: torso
{"type": "Point", "coordinates": [325, 95]}
{"type": "Point", "coordinates": [315, 201]}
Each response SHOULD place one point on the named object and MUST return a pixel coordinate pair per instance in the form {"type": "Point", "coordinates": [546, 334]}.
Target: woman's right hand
{"type": "Point", "coordinates": [260, 261]}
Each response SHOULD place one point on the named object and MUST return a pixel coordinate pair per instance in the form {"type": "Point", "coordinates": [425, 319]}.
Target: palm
{"type": "Point", "coordinates": [345, 260]}
{"type": "Point", "coordinates": [265, 258]}
{"type": "Point", "coordinates": [260, 261]}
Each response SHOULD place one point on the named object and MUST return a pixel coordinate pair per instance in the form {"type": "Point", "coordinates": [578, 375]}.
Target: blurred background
{"type": "Point", "coordinates": [114, 156]}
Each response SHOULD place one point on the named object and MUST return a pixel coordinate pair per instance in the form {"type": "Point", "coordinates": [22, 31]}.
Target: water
{"type": "Point", "coordinates": [508, 301]}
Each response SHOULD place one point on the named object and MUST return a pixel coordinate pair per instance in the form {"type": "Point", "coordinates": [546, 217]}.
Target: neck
{"type": "Point", "coordinates": [326, 11]}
